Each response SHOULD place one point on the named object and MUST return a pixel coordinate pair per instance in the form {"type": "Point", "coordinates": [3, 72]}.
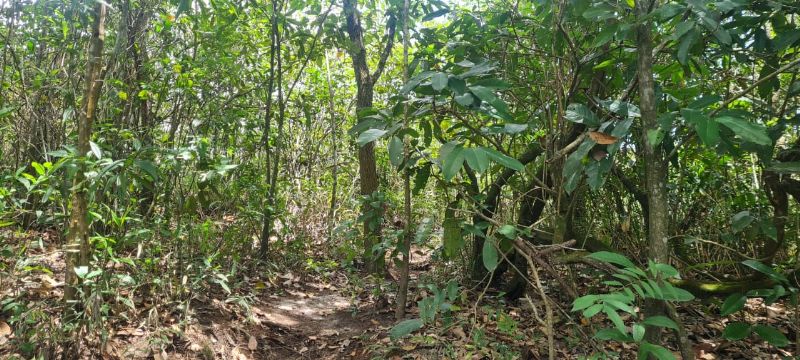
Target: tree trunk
{"type": "Point", "coordinates": [365, 83]}
{"type": "Point", "coordinates": [656, 171]}
{"type": "Point", "coordinates": [402, 292]}
{"type": "Point", "coordinates": [77, 247]}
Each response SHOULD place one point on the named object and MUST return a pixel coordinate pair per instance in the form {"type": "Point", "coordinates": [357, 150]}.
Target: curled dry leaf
{"type": "Point", "coordinates": [602, 138]}
{"type": "Point", "coordinates": [5, 330]}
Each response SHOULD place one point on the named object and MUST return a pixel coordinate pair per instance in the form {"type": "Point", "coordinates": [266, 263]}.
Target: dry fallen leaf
{"type": "Point", "coordinates": [602, 138]}
{"type": "Point", "coordinates": [252, 344]}
{"type": "Point", "coordinates": [5, 330]}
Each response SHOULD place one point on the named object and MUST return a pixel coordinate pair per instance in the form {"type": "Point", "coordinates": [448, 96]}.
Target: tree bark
{"type": "Point", "coordinates": [656, 170]}
{"type": "Point", "coordinates": [365, 84]}
{"type": "Point", "coordinates": [402, 292]}
{"type": "Point", "coordinates": [77, 247]}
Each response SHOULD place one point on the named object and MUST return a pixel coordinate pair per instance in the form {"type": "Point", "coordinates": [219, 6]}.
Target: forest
{"type": "Point", "coordinates": [399, 179]}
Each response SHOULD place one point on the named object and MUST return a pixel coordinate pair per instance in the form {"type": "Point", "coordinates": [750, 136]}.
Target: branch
{"type": "Point", "coordinates": [391, 26]}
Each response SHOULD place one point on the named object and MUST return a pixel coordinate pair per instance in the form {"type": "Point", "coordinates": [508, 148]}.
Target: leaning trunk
{"type": "Point", "coordinates": [77, 248]}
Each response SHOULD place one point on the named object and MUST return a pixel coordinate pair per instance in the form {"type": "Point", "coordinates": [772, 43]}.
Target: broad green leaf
{"type": "Point", "coordinates": [612, 258]}
{"type": "Point", "coordinates": [741, 220]}
{"type": "Point", "coordinates": [504, 160]}
{"type": "Point", "coordinates": [654, 136]}
{"type": "Point", "coordinates": [732, 304]}
{"type": "Point", "coordinates": [686, 43]}
{"type": "Point", "coordinates": [771, 335]}
{"type": "Point", "coordinates": [435, 14]}
{"type": "Point", "coordinates": [659, 352]}
{"type": "Point", "coordinates": [614, 317]}
{"type": "Point", "coordinates": [611, 334]}
{"type": "Point", "coordinates": [584, 302]}
{"type": "Point", "coordinates": [707, 129]}
{"type": "Point", "coordinates": [452, 162]}
{"type": "Point", "coordinates": [746, 130]}
{"type": "Point", "coordinates": [98, 153]}
{"type": "Point", "coordinates": [490, 256]}
{"type": "Point", "coordinates": [148, 167]}
{"type": "Point", "coordinates": [660, 321]}
{"type": "Point", "coordinates": [579, 113]}
{"type": "Point", "coordinates": [509, 231]}
{"type": "Point", "coordinates": [396, 151]}
{"type": "Point", "coordinates": [465, 100]}
{"type": "Point", "coordinates": [764, 269]}
{"type": "Point", "coordinates": [736, 331]}
{"type": "Point", "coordinates": [488, 96]}
{"type": "Point", "coordinates": [638, 332]}
{"type": "Point", "coordinates": [404, 328]}
{"type": "Point", "coordinates": [81, 271]}
{"type": "Point", "coordinates": [592, 310]}
{"type": "Point", "coordinates": [439, 81]}
{"type": "Point", "coordinates": [369, 136]}
{"type": "Point", "coordinates": [477, 159]}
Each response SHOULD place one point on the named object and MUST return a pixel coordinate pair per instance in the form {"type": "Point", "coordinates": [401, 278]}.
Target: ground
{"type": "Point", "coordinates": [334, 312]}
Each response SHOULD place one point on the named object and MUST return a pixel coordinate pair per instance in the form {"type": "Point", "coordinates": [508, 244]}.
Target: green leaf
{"type": "Point", "coordinates": [741, 220]}
{"type": "Point", "coordinates": [592, 310]}
{"type": "Point", "coordinates": [487, 95]}
{"type": "Point", "coordinates": [369, 136]}
{"type": "Point", "coordinates": [490, 256]}
{"type": "Point", "coordinates": [611, 334]}
{"type": "Point", "coordinates": [435, 14]}
{"type": "Point", "coordinates": [657, 351]}
{"type": "Point", "coordinates": [81, 271]}
{"type": "Point", "coordinates": [504, 160]}
{"type": "Point", "coordinates": [98, 153]}
{"type": "Point", "coordinates": [736, 331]}
{"type": "Point", "coordinates": [764, 269]}
{"type": "Point", "coordinates": [785, 167]}
{"type": "Point", "coordinates": [638, 332]}
{"type": "Point", "coordinates": [686, 43]}
{"type": "Point", "coordinates": [465, 100]}
{"type": "Point", "coordinates": [38, 167]}
{"type": "Point", "coordinates": [395, 151]}
{"type": "Point", "coordinates": [732, 304]}
{"type": "Point", "coordinates": [614, 317]}
{"type": "Point", "coordinates": [771, 335]}
{"type": "Point", "coordinates": [509, 231]}
{"type": "Point", "coordinates": [746, 130]}
{"type": "Point", "coordinates": [148, 167]}
{"type": "Point", "coordinates": [477, 159]}
{"type": "Point", "coordinates": [707, 129]}
{"type": "Point", "coordinates": [584, 302]}
{"type": "Point", "coordinates": [654, 137]}
{"type": "Point", "coordinates": [580, 114]}
{"type": "Point", "coordinates": [439, 81]}
{"type": "Point", "coordinates": [660, 321]}
{"type": "Point", "coordinates": [452, 162]}
{"type": "Point", "coordinates": [404, 328]}
{"type": "Point", "coordinates": [451, 234]}
{"type": "Point", "coordinates": [612, 258]}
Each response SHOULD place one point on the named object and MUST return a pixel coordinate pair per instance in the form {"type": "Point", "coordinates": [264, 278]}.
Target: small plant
{"type": "Point", "coordinates": [739, 330]}
{"type": "Point", "coordinates": [633, 284]}
{"type": "Point", "coordinates": [439, 304]}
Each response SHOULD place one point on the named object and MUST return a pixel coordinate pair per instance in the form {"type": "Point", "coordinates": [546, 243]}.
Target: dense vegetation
{"type": "Point", "coordinates": [497, 179]}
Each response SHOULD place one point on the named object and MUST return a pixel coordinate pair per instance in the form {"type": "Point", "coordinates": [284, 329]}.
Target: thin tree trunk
{"type": "Point", "coordinates": [656, 170]}
{"type": "Point", "coordinates": [77, 248]}
{"type": "Point", "coordinates": [365, 83]}
{"type": "Point", "coordinates": [402, 291]}
{"type": "Point", "coordinates": [335, 156]}
{"type": "Point", "coordinates": [267, 219]}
